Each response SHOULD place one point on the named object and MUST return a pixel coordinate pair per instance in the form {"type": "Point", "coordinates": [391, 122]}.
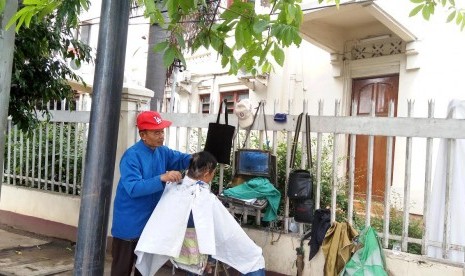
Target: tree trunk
{"type": "Point", "coordinates": [155, 78]}
{"type": "Point", "coordinates": [7, 42]}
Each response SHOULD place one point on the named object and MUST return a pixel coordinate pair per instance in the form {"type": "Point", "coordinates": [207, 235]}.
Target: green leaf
{"type": "Point", "coordinates": [416, 10]}
{"type": "Point", "coordinates": [48, 9]}
{"type": "Point", "coordinates": [224, 61]}
{"type": "Point", "coordinates": [451, 16]}
{"type": "Point", "coordinates": [417, 1]}
{"type": "Point", "coordinates": [426, 12]}
{"type": "Point", "coordinates": [297, 38]}
{"type": "Point", "coordinates": [20, 22]}
{"type": "Point", "coordinates": [298, 17]}
{"type": "Point", "coordinates": [226, 51]}
{"type": "Point", "coordinates": [287, 37]}
{"type": "Point", "coordinates": [239, 35]}
{"type": "Point", "coordinates": [238, 9]}
{"type": "Point", "coordinates": [161, 46]}
{"type": "Point", "coordinates": [2, 5]}
{"type": "Point", "coordinates": [33, 2]}
{"type": "Point", "coordinates": [431, 7]}
{"type": "Point", "coordinates": [181, 41]}
{"type": "Point", "coordinates": [223, 28]}
{"type": "Point", "coordinates": [150, 9]}
{"type": "Point", "coordinates": [180, 56]}
{"type": "Point", "coordinates": [266, 68]}
{"type": "Point", "coordinates": [204, 39]}
{"type": "Point", "coordinates": [18, 17]}
{"type": "Point", "coordinates": [233, 66]}
{"type": "Point", "coordinates": [247, 33]}
{"type": "Point", "coordinates": [264, 53]}
{"type": "Point", "coordinates": [216, 43]}
{"type": "Point", "coordinates": [229, 16]}
{"type": "Point", "coordinates": [186, 5]}
{"type": "Point", "coordinates": [169, 56]}
{"type": "Point", "coordinates": [172, 7]}
{"type": "Point", "coordinates": [278, 55]}
{"type": "Point", "coordinates": [84, 4]}
{"type": "Point", "coordinates": [291, 13]}
{"type": "Point", "coordinates": [158, 17]}
{"type": "Point", "coordinates": [27, 19]}
{"type": "Point", "coordinates": [452, 2]}
{"type": "Point", "coordinates": [459, 19]}
{"type": "Point", "coordinates": [259, 26]}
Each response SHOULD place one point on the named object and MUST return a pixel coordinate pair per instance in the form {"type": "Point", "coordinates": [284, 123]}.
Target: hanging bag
{"type": "Point", "coordinates": [300, 182]}
{"type": "Point", "coordinates": [303, 211]}
{"type": "Point", "coordinates": [220, 137]}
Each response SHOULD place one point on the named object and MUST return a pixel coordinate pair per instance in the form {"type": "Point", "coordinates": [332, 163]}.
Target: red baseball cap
{"type": "Point", "coordinates": [151, 120]}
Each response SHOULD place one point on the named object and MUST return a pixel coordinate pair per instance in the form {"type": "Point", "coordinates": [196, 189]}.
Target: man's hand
{"type": "Point", "coordinates": [171, 176]}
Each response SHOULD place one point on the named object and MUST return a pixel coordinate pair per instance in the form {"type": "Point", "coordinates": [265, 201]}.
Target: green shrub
{"type": "Point", "coordinates": [37, 147]}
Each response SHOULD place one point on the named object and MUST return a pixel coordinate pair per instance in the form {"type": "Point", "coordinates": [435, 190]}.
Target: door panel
{"type": "Point", "coordinates": [364, 91]}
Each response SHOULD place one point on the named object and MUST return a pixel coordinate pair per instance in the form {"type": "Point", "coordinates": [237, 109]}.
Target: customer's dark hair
{"type": "Point", "coordinates": [201, 162]}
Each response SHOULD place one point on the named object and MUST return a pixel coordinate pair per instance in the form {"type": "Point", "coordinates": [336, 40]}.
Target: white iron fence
{"type": "Point", "coordinates": [53, 159]}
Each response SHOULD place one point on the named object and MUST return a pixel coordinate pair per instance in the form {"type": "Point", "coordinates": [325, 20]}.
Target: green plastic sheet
{"type": "Point", "coordinates": [369, 259]}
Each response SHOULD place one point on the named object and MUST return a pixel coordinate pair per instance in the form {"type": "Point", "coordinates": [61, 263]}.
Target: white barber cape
{"type": "Point", "coordinates": [435, 218]}
{"type": "Point", "coordinates": [218, 233]}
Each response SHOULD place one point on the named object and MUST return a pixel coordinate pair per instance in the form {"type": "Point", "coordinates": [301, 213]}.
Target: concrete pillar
{"type": "Point", "coordinates": [134, 100]}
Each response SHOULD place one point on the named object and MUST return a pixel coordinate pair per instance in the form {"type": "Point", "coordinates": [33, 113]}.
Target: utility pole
{"type": "Point", "coordinates": [103, 137]}
{"type": "Point", "coordinates": [7, 43]}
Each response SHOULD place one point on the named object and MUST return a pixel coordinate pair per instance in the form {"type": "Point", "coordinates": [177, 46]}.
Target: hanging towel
{"type": "Point", "coordinates": [338, 247]}
{"type": "Point", "coordinates": [258, 187]}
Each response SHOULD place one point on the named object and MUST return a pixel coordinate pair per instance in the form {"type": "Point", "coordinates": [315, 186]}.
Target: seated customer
{"type": "Point", "coordinates": [217, 232]}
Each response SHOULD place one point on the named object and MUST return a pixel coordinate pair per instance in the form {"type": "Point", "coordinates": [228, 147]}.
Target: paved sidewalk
{"type": "Point", "coordinates": [28, 254]}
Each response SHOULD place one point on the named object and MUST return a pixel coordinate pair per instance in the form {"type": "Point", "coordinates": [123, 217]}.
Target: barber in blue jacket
{"type": "Point", "coordinates": [145, 168]}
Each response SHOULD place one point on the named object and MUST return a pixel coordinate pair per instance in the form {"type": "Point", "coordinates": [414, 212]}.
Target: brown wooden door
{"type": "Point", "coordinates": [381, 90]}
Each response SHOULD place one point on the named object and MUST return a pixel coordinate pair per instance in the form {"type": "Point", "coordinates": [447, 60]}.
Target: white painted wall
{"type": "Point", "coordinates": [44, 205]}
{"type": "Point", "coordinates": [280, 255]}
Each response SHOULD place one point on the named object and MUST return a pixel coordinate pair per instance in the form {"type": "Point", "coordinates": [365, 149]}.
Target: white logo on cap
{"type": "Point", "coordinates": [157, 119]}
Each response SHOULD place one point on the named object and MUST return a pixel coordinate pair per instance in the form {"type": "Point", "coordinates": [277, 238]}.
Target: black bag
{"type": "Point", "coordinates": [300, 182]}
{"type": "Point", "coordinates": [303, 211]}
{"type": "Point", "coordinates": [219, 138]}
